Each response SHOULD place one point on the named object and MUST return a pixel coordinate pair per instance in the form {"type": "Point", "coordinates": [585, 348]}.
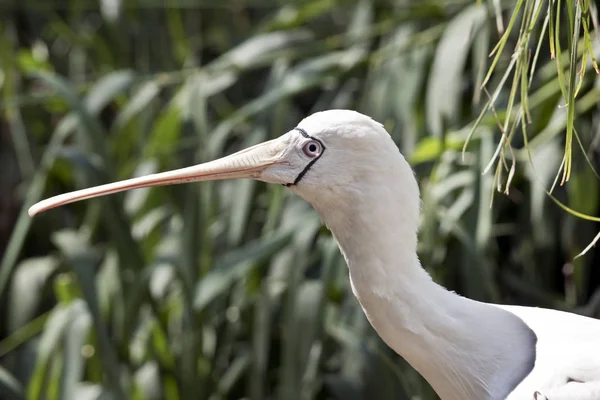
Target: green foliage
{"type": "Point", "coordinates": [235, 289]}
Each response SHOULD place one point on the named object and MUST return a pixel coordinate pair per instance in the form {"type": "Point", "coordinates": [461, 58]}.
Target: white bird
{"type": "Point", "coordinates": [348, 168]}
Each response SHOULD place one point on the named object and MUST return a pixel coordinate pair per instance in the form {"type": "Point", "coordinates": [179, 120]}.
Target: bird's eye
{"type": "Point", "coordinates": [312, 149]}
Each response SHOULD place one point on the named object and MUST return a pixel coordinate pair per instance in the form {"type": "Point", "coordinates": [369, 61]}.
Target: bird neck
{"type": "Point", "coordinates": [379, 244]}
{"type": "Point", "coordinates": [429, 326]}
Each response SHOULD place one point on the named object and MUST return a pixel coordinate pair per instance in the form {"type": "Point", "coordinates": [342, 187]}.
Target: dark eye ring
{"type": "Point", "coordinates": [312, 149]}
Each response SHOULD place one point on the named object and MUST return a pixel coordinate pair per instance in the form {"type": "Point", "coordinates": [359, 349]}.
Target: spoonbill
{"type": "Point", "coordinates": [348, 168]}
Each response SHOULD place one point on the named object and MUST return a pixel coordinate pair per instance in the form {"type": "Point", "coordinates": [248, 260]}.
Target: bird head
{"type": "Point", "coordinates": [329, 154]}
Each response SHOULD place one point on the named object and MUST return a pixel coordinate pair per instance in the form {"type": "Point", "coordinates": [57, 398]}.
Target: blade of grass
{"type": "Point", "coordinates": [81, 260]}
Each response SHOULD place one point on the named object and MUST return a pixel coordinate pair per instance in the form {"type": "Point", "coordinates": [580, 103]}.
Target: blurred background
{"type": "Point", "coordinates": [235, 290]}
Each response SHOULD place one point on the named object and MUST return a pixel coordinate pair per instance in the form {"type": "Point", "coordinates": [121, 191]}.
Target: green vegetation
{"type": "Point", "coordinates": [234, 290]}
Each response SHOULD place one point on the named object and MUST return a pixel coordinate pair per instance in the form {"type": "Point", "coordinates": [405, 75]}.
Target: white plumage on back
{"type": "Point", "coordinates": [348, 168]}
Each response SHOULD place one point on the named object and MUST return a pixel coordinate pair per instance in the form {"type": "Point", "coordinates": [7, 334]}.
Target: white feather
{"type": "Point", "coordinates": [367, 194]}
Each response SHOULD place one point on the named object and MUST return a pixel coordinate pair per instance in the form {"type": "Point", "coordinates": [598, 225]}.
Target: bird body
{"type": "Point", "coordinates": [567, 352]}
{"type": "Point", "coordinates": [349, 169]}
